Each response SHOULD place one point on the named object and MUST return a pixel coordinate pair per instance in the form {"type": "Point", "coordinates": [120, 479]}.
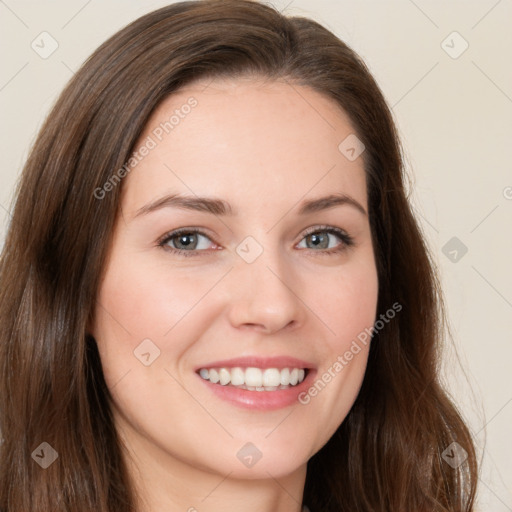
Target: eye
{"type": "Point", "coordinates": [187, 241]}
{"type": "Point", "coordinates": [184, 241]}
{"type": "Point", "coordinates": [320, 236]}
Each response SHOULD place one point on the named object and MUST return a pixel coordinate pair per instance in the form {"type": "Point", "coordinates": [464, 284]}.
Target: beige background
{"type": "Point", "coordinates": [455, 118]}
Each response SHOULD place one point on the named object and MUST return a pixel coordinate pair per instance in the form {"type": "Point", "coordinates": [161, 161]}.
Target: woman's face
{"type": "Point", "coordinates": [263, 291]}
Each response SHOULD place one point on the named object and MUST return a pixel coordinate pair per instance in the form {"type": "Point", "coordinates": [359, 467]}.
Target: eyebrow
{"type": "Point", "coordinates": [220, 207]}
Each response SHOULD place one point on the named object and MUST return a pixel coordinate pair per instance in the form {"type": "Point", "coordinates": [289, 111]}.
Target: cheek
{"type": "Point", "coordinates": [346, 302]}
{"type": "Point", "coordinates": [347, 305]}
{"type": "Point", "coordinates": [139, 301]}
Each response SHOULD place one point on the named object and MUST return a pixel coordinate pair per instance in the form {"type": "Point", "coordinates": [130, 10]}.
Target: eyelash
{"type": "Point", "coordinates": [346, 239]}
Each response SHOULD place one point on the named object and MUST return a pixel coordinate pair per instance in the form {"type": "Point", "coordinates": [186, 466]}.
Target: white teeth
{"type": "Point", "coordinates": [237, 376]}
{"type": "Point", "coordinates": [224, 376]}
{"type": "Point", "coordinates": [254, 379]}
{"type": "Point", "coordinates": [271, 377]}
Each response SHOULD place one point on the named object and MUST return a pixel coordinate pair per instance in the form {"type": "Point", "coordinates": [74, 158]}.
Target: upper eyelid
{"type": "Point", "coordinates": [176, 232]}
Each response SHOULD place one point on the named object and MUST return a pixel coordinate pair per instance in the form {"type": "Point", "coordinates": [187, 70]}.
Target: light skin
{"type": "Point", "coordinates": [264, 147]}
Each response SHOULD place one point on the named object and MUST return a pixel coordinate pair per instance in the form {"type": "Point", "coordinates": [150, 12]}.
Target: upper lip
{"type": "Point", "coordinates": [259, 362]}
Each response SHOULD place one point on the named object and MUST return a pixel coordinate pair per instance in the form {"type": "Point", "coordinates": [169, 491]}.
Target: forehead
{"type": "Point", "coordinates": [245, 139]}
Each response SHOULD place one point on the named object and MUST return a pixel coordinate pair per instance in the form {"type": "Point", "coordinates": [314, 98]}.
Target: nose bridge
{"type": "Point", "coordinates": [265, 294]}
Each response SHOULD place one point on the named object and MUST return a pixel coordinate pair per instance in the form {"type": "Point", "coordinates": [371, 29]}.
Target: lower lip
{"type": "Point", "coordinates": [261, 400]}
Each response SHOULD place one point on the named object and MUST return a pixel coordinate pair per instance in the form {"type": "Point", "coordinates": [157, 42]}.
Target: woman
{"type": "Point", "coordinates": [214, 292]}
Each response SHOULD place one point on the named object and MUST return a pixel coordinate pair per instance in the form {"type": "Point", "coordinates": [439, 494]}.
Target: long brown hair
{"type": "Point", "coordinates": [387, 453]}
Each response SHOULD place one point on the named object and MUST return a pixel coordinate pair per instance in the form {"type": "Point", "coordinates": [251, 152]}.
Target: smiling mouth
{"type": "Point", "coordinates": [255, 379]}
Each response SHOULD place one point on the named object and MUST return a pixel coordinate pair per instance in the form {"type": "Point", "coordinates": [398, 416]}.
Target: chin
{"type": "Point", "coordinates": [262, 460]}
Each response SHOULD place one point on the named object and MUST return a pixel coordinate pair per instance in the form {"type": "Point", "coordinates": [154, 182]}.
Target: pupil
{"type": "Point", "coordinates": [184, 237]}
{"type": "Point", "coordinates": [316, 239]}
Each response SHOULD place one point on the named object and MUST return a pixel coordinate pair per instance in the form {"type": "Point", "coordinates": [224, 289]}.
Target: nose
{"type": "Point", "coordinates": [266, 295]}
